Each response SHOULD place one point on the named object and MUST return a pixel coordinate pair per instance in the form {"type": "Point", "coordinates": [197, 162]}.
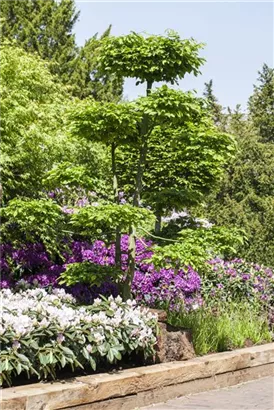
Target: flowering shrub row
{"type": "Point", "coordinates": [237, 280]}
{"type": "Point", "coordinates": [225, 281]}
{"type": "Point", "coordinates": [41, 333]}
{"type": "Point", "coordinates": [31, 266]}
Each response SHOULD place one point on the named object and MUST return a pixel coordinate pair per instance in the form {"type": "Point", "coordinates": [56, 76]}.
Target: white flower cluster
{"type": "Point", "coordinates": [199, 221]}
{"type": "Point", "coordinates": [25, 312]}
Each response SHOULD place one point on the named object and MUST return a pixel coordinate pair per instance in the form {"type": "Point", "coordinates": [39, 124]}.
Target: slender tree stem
{"type": "Point", "coordinates": [131, 263]}
{"type": "Point", "coordinates": [1, 194]}
{"type": "Point", "coordinates": [142, 155]}
{"type": "Point", "coordinates": [136, 201]}
{"type": "Point", "coordinates": [116, 200]}
{"type": "Point", "coordinates": [158, 221]}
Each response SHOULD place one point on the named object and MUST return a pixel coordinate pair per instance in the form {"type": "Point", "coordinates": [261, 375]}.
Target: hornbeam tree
{"type": "Point", "coordinates": [149, 59]}
{"type": "Point", "coordinates": [113, 125]}
{"type": "Point", "coordinates": [153, 59]}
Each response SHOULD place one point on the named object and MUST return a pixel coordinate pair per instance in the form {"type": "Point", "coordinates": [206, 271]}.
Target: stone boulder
{"type": "Point", "coordinates": [174, 344]}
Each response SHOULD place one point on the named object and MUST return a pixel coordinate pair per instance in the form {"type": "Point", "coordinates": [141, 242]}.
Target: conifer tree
{"type": "Point", "coordinates": [44, 27]}
{"type": "Point", "coordinates": [261, 104]}
{"type": "Point", "coordinates": [214, 106]}
{"type": "Point", "coordinates": [245, 198]}
{"type": "Point", "coordinates": [87, 81]}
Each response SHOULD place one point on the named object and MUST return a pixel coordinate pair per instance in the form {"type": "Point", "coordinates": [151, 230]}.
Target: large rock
{"type": "Point", "coordinates": [174, 344]}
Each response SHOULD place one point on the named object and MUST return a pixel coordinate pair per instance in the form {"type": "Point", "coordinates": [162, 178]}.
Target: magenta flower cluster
{"type": "Point", "coordinates": [165, 288]}
{"type": "Point", "coordinates": [224, 282]}
{"type": "Point", "coordinates": [237, 280]}
{"type": "Point", "coordinates": [31, 266]}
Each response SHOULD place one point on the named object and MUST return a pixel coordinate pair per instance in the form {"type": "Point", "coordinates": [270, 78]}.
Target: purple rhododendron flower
{"type": "Point", "coordinates": [237, 280]}
{"type": "Point", "coordinates": [5, 284]}
{"type": "Point", "coordinates": [4, 266]}
{"type": "Point", "coordinates": [227, 279]}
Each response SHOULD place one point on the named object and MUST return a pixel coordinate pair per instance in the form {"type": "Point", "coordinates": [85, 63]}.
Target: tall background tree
{"type": "Point", "coordinates": [261, 104]}
{"type": "Point", "coordinates": [245, 197]}
{"type": "Point", "coordinates": [46, 27]}
{"type": "Point", "coordinates": [213, 104]}
{"type": "Point", "coordinates": [32, 106]}
{"type": "Point", "coordinates": [34, 138]}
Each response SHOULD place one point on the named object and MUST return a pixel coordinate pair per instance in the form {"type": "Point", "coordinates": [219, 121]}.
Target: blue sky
{"type": "Point", "coordinates": [238, 37]}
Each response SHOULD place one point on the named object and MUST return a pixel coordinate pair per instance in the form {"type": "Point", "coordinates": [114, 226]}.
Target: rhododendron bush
{"type": "Point", "coordinates": [224, 281]}
{"type": "Point", "coordinates": [43, 332]}
{"type": "Point", "coordinates": [237, 280]}
{"type": "Point", "coordinates": [31, 266]}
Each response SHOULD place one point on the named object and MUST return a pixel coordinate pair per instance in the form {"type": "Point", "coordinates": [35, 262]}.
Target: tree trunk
{"type": "Point", "coordinates": [116, 200]}
{"type": "Point", "coordinates": [158, 221]}
{"type": "Point", "coordinates": [136, 202]}
{"type": "Point", "coordinates": [1, 194]}
{"type": "Point", "coordinates": [142, 155]}
{"type": "Point", "coordinates": [131, 264]}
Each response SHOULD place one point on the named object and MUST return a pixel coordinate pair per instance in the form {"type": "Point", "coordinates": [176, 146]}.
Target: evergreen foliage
{"type": "Point", "coordinates": [46, 27]}
{"type": "Point", "coordinates": [213, 104]}
{"type": "Point", "coordinates": [87, 80]}
{"type": "Point", "coordinates": [261, 104]}
{"type": "Point", "coordinates": [245, 198]}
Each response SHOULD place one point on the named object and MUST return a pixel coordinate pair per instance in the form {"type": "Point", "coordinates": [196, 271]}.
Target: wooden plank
{"type": "Point", "coordinates": [95, 388]}
{"type": "Point", "coordinates": [14, 404]}
{"type": "Point", "coordinates": [171, 392]}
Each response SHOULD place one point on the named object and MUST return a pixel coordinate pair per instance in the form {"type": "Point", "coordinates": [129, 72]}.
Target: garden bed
{"type": "Point", "coordinates": [138, 387]}
{"type": "Point", "coordinates": [43, 335]}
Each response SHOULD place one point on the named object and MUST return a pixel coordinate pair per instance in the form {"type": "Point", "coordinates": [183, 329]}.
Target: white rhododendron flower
{"type": "Point", "coordinates": [34, 319]}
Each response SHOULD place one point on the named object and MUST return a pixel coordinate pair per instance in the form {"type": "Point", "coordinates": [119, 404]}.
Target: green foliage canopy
{"type": "Point", "coordinates": [95, 221]}
{"type": "Point", "coordinates": [88, 273]}
{"type": "Point", "coordinates": [196, 246]}
{"type": "Point", "coordinates": [105, 122]}
{"type": "Point", "coordinates": [32, 111]}
{"type": "Point", "coordinates": [25, 221]}
{"type": "Point", "coordinates": [261, 104]}
{"type": "Point", "coordinates": [150, 58]}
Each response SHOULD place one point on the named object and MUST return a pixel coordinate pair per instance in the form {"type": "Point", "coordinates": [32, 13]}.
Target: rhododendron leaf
{"type": "Point", "coordinates": [67, 350]}
{"type": "Point", "coordinates": [18, 368]}
{"type": "Point", "coordinates": [110, 355]}
{"type": "Point", "coordinates": [63, 361]}
{"type": "Point", "coordinates": [85, 353]}
{"type": "Point", "coordinates": [22, 357]}
{"type": "Point", "coordinates": [92, 363]}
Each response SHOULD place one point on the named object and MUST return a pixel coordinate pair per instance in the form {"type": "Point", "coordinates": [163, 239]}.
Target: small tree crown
{"type": "Point", "coordinates": [151, 58]}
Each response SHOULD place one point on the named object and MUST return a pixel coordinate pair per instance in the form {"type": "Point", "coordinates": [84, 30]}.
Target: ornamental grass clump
{"type": "Point", "coordinates": [43, 333]}
{"type": "Point", "coordinates": [226, 327]}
